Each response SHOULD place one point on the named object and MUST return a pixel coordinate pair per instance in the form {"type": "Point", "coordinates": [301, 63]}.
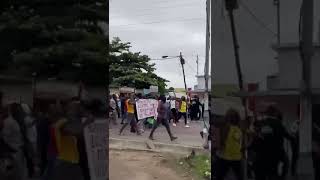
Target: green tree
{"type": "Point", "coordinates": [132, 69]}
{"type": "Point", "coordinates": [52, 37]}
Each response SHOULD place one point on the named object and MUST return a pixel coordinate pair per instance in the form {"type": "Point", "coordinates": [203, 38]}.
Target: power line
{"type": "Point", "coordinates": [163, 59]}
{"type": "Point", "coordinates": [256, 19]}
{"type": "Point", "coordinates": [192, 69]}
{"type": "Point", "coordinates": [144, 15]}
{"type": "Point", "coordinates": [156, 22]}
{"type": "Point", "coordinates": [157, 1]}
{"type": "Point", "coordinates": [176, 6]}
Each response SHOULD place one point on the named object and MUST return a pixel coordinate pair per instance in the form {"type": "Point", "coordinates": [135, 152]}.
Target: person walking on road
{"type": "Point", "coordinates": [183, 111]}
{"type": "Point", "coordinates": [229, 156]}
{"type": "Point", "coordinates": [131, 119]}
{"type": "Point", "coordinates": [113, 109]}
{"type": "Point", "coordinates": [162, 119]}
{"type": "Point", "coordinates": [173, 110]}
{"type": "Point", "coordinates": [123, 99]}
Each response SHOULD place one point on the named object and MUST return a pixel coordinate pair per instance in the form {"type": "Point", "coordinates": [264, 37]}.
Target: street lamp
{"type": "Point", "coordinates": [182, 61]}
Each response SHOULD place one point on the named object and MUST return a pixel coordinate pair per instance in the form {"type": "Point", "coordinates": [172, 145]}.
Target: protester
{"type": "Point", "coordinates": [162, 119]}
{"type": "Point", "coordinates": [173, 110]}
{"type": "Point", "coordinates": [130, 103]}
{"type": "Point", "coordinates": [183, 111]}
{"type": "Point", "coordinates": [269, 145]}
{"type": "Point", "coordinates": [230, 154]}
{"type": "Point", "coordinates": [123, 100]}
{"type": "Point", "coordinates": [52, 153]}
{"type": "Point", "coordinates": [43, 138]}
{"type": "Point", "coordinates": [7, 153]}
{"type": "Point", "coordinates": [294, 147]}
{"type": "Point", "coordinates": [12, 135]}
{"type": "Point", "coordinates": [195, 109]}
{"type": "Point", "coordinates": [77, 119]}
{"type": "Point", "coordinates": [118, 106]}
{"type": "Point", "coordinates": [113, 109]}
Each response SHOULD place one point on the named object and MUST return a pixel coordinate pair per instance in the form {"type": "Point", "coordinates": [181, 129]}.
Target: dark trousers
{"type": "Point", "coordinates": [174, 115]}
{"type": "Point", "coordinates": [83, 159]}
{"type": "Point", "coordinates": [184, 116]}
{"type": "Point", "coordinates": [132, 121]}
{"type": "Point", "coordinates": [224, 166]}
{"type": "Point", "coordinates": [165, 123]}
{"type": "Point", "coordinates": [286, 164]}
{"type": "Point", "coordinates": [316, 166]}
{"type": "Point", "coordinates": [265, 169]}
{"type": "Point", "coordinates": [295, 155]}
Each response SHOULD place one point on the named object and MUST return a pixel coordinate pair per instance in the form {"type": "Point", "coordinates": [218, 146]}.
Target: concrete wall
{"type": "Point", "coordinates": [290, 69]}
{"type": "Point", "coordinates": [201, 82]}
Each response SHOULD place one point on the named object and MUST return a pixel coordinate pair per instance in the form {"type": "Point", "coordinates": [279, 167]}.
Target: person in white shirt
{"type": "Point", "coordinates": [11, 134]}
{"type": "Point", "coordinates": [172, 101]}
{"type": "Point", "coordinates": [113, 109]}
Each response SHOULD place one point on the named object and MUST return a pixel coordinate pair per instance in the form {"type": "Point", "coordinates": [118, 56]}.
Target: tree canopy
{"type": "Point", "coordinates": [132, 69]}
{"type": "Point", "coordinates": [68, 39]}
{"type": "Point", "coordinates": [52, 37]}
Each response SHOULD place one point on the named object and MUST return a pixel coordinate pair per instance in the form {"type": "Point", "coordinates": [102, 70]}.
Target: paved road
{"type": "Point", "coordinates": [186, 136]}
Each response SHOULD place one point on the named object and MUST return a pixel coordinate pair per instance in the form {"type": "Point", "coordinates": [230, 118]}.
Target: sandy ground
{"type": "Point", "coordinates": [141, 166]}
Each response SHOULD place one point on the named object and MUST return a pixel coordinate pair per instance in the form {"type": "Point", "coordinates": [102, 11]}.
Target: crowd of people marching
{"type": "Point", "coordinates": [170, 110]}
{"type": "Point", "coordinates": [267, 158]}
{"type": "Point", "coordinates": [47, 144]}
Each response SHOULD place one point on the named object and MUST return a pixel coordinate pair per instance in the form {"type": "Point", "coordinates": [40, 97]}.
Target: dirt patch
{"type": "Point", "coordinates": [140, 165]}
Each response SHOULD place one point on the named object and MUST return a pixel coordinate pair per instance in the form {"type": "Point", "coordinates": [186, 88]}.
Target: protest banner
{"type": "Point", "coordinates": [147, 108]}
{"type": "Point", "coordinates": [97, 149]}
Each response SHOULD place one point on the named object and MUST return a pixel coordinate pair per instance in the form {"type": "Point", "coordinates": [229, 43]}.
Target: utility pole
{"type": "Point", "coordinates": [209, 39]}
{"type": "Point", "coordinates": [305, 168]}
{"type": "Point", "coordinates": [182, 61]}
{"type": "Point", "coordinates": [206, 66]}
{"type": "Point", "coordinates": [197, 61]}
{"type": "Point", "coordinates": [277, 4]}
{"type": "Point", "coordinates": [230, 6]}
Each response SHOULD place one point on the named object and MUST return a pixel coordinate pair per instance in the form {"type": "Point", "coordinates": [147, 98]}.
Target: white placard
{"type": "Point", "coordinates": [97, 149]}
{"type": "Point", "coordinates": [147, 108]}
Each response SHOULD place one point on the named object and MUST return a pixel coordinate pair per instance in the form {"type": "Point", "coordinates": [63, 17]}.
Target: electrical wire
{"type": "Point", "coordinates": [158, 2]}
{"type": "Point", "coordinates": [154, 14]}
{"type": "Point", "coordinates": [256, 19]}
{"type": "Point", "coordinates": [163, 59]}
{"type": "Point", "coordinates": [191, 68]}
{"type": "Point", "coordinates": [157, 22]}
{"type": "Point", "coordinates": [177, 6]}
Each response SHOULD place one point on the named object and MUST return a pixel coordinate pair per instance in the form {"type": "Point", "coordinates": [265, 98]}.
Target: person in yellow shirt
{"type": "Point", "coordinates": [230, 155]}
{"type": "Point", "coordinates": [131, 118]}
{"type": "Point", "coordinates": [183, 111]}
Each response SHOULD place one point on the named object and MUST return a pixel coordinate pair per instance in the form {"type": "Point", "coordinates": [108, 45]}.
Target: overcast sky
{"type": "Point", "coordinates": [167, 27]}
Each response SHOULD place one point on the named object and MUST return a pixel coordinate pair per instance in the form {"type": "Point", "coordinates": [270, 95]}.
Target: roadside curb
{"type": "Point", "coordinates": [125, 144]}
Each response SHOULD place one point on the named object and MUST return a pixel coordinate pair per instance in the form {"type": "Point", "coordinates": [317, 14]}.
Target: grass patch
{"type": "Point", "coordinates": [198, 165]}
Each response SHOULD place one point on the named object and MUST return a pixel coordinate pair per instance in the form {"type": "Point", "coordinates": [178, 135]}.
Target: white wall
{"type": "Point", "coordinates": [201, 83]}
